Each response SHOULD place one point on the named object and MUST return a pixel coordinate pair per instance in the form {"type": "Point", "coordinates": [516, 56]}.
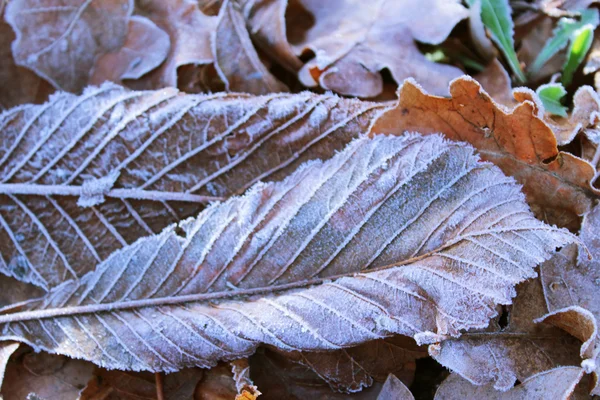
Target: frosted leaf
{"type": "Point", "coordinates": [428, 244]}
{"type": "Point", "coordinates": [162, 156]}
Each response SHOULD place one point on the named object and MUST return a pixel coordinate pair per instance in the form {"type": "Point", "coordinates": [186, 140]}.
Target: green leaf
{"type": "Point", "coordinates": [495, 15]}
{"type": "Point", "coordinates": [580, 45]}
{"type": "Point", "coordinates": [563, 32]}
{"type": "Point", "coordinates": [550, 94]}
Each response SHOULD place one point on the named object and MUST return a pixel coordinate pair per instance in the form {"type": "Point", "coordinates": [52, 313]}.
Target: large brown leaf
{"type": "Point", "coordinates": [557, 184]}
{"type": "Point", "coordinates": [61, 40]}
{"type": "Point", "coordinates": [404, 235]}
{"type": "Point", "coordinates": [353, 41]}
{"type": "Point", "coordinates": [142, 160]}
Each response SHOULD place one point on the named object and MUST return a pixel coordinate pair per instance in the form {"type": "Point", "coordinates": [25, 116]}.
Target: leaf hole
{"type": "Point", "coordinates": [503, 320]}
{"type": "Point", "coordinates": [179, 231]}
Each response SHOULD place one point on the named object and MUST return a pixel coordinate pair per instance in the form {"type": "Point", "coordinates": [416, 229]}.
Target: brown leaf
{"type": "Point", "coordinates": [19, 85]}
{"type": "Point", "coordinates": [123, 385]}
{"type": "Point", "coordinates": [101, 149]}
{"type": "Point", "coordinates": [349, 370]}
{"type": "Point", "coordinates": [558, 383]}
{"type": "Point", "coordinates": [394, 389]}
{"type": "Point", "coordinates": [62, 40]}
{"type": "Point", "coordinates": [409, 235]}
{"type": "Point", "coordinates": [280, 378]}
{"type": "Point", "coordinates": [495, 81]}
{"type": "Point", "coordinates": [145, 48]}
{"type": "Point", "coordinates": [190, 33]}
{"type": "Point", "coordinates": [49, 377]}
{"type": "Point", "coordinates": [503, 354]}
{"type": "Point", "coordinates": [572, 291]}
{"type": "Point", "coordinates": [557, 184]}
{"type": "Point", "coordinates": [533, 41]}
{"type": "Point", "coordinates": [266, 20]}
{"type": "Point", "coordinates": [354, 41]}
{"type": "Point", "coordinates": [236, 60]}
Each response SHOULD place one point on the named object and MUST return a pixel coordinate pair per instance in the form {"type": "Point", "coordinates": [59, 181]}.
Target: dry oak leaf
{"type": "Point", "coordinates": [350, 370]}
{"type": "Point", "coordinates": [141, 161]}
{"type": "Point", "coordinates": [557, 184]}
{"type": "Point", "coordinates": [146, 47]}
{"type": "Point", "coordinates": [409, 235]}
{"type": "Point", "coordinates": [571, 283]}
{"type": "Point", "coordinates": [504, 354]}
{"type": "Point", "coordinates": [353, 41]}
{"type": "Point", "coordinates": [190, 33]}
{"type": "Point", "coordinates": [558, 383]}
{"type": "Point", "coordinates": [62, 40]}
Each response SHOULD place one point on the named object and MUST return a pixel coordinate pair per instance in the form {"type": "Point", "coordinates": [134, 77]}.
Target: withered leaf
{"type": "Point", "coordinates": [403, 235]}
{"type": "Point", "coordinates": [500, 355]}
{"type": "Point", "coordinates": [61, 40]}
{"type": "Point", "coordinates": [354, 41]}
{"type": "Point", "coordinates": [146, 47]}
{"type": "Point", "coordinates": [394, 389]}
{"type": "Point", "coordinates": [571, 284]}
{"type": "Point", "coordinates": [236, 60]}
{"type": "Point", "coordinates": [557, 184]}
{"type": "Point", "coordinates": [558, 383]}
{"type": "Point", "coordinates": [139, 161]}
{"type": "Point", "coordinates": [350, 370]}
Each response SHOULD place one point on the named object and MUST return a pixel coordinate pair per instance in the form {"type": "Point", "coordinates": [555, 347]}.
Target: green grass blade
{"type": "Point", "coordinates": [495, 15]}
{"type": "Point", "coordinates": [580, 45]}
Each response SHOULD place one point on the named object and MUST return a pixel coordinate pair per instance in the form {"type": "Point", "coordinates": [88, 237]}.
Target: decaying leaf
{"type": "Point", "coordinates": [557, 184]}
{"type": "Point", "coordinates": [61, 40]}
{"type": "Point", "coordinates": [407, 235]}
{"type": "Point", "coordinates": [350, 370]}
{"type": "Point", "coordinates": [125, 385]}
{"type": "Point", "coordinates": [571, 284]}
{"type": "Point", "coordinates": [394, 389]}
{"type": "Point", "coordinates": [140, 161]}
{"type": "Point", "coordinates": [45, 376]}
{"type": "Point", "coordinates": [558, 383]}
{"type": "Point", "coordinates": [502, 354]}
{"type": "Point", "coordinates": [190, 34]}
{"type": "Point", "coordinates": [236, 60]}
{"type": "Point", "coordinates": [146, 47]}
{"type": "Point", "coordinates": [354, 41]}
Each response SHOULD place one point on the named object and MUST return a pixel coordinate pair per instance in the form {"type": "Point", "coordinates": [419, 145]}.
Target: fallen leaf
{"type": "Point", "coordinates": [301, 257]}
{"type": "Point", "coordinates": [500, 355]}
{"type": "Point", "coordinates": [19, 85]}
{"type": "Point", "coordinates": [101, 150]}
{"type": "Point", "coordinates": [190, 34]}
{"type": "Point", "coordinates": [62, 40]}
{"type": "Point", "coordinates": [532, 42]}
{"type": "Point", "coordinates": [350, 370]}
{"type": "Point", "coordinates": [266, 20]}
{"type": "Point", "coordinates": [354, 41]}
{"type": "Point", "coordinates": [124, 385]}
{"type": "Point", "coordinates": [571, 283]}
{"type": "Point", "coordinates": [496, 82]}
{"type": "Point", "coordinates": [394, 389]}
{"type": "Point", "coordinates": [146, 47]}
{"type": "Point", "coordinates": [236, 60]}
{"type": "Point", "coordinates": [557, 184]}
{"type": "Point", "coordinates": [7, 348]}
{"type": "Point", "coordinates": [558, 383]}
{"type": "Point", "coordinates": [44, 376]}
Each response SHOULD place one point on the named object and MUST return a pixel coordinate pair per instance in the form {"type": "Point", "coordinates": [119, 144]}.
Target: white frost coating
{"type": "Point", "coordinates": [93, 190]}
{"type": "Point", "coordinates": [425, 247]}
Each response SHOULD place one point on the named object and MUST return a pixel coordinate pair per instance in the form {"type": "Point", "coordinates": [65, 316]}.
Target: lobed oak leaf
{"type": "Point", "coordinates": [353, 41]}
{"type": "Point", "coordinates": [62, 40]}
{"type": "Point", "coordinates": [558, 383]}
{"type": "Point", "coordinates": [557, 184]}
{"type": "Point", "coordinates": [141, 161]}
{"type": "Point", "coordinates": [406, 235]}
